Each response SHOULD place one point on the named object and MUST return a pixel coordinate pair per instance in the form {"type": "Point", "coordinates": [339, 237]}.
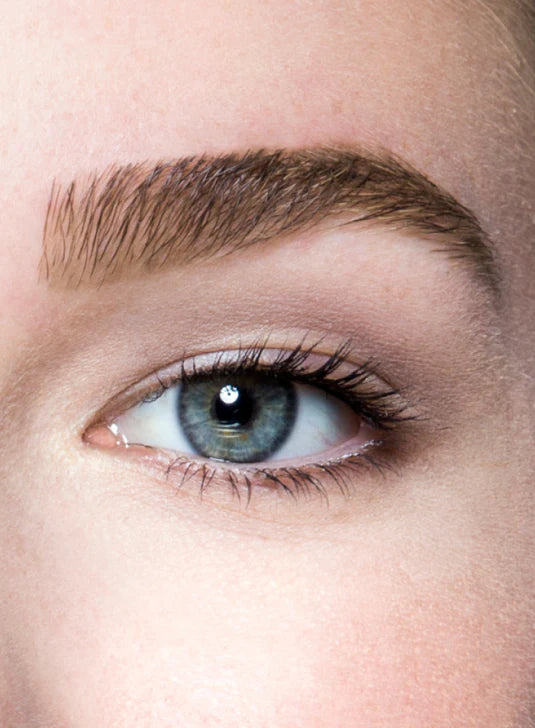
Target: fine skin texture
{"type": "Point", "coordinates": [125, 599]}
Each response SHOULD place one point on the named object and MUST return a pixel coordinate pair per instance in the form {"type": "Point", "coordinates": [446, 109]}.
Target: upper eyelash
{"type": "Point", "coordinates": [381, 408]}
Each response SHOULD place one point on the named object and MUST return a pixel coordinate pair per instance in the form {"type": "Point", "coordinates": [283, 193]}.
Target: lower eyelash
{"type": "Point", "coordinates": [306, 481]}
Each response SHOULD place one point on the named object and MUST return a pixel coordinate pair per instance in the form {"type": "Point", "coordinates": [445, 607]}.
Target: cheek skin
{"type": "Point", "coordinates": [382, 624]}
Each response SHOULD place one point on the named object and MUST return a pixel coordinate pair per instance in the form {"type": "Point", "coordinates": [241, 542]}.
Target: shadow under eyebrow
{"type": "Point", "coordinates": [139, 218]}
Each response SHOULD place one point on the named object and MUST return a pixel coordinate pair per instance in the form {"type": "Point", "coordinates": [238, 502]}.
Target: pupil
{"type": "Point", "coordinates": [233, 406]}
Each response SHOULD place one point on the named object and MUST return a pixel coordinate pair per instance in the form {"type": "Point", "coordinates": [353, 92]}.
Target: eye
{"type": "Point", "coordinates": [289, 420]}
{"type": "Point", "coordinates": [241, 418]}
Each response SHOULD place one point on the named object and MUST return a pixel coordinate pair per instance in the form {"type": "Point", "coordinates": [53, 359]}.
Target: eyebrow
{"type": "Point", "coordinates": [141, 218]}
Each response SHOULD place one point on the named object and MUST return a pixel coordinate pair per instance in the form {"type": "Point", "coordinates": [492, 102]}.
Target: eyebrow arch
{"type": "Point", "coordinates": [140, 217]}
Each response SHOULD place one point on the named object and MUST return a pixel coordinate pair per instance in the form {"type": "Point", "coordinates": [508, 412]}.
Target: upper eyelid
{"type": "Point", "coordinates": [307, 359]}
{"type": "Point", "coordinates": [172, 373]}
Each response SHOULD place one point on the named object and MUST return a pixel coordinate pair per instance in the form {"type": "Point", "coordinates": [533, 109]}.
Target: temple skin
{"type": "Point", "coordinates": [126, 601]}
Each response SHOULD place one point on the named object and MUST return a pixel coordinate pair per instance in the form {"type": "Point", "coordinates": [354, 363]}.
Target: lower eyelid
{"type": "Point", "coordinates": [344, 473]}
{"type": "Point", "coordinates": [341, 475]}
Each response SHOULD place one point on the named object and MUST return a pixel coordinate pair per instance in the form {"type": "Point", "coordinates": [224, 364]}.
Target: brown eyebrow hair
{"type": "Point", "coordinates": [142, 217]}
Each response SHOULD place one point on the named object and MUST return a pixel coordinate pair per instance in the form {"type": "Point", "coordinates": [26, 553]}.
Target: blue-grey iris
{"type": "Point", "coordinates": [242, 418]}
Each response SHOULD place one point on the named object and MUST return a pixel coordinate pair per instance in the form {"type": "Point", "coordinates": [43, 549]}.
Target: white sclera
{"type": "Point", "coordinates": [322, 423]}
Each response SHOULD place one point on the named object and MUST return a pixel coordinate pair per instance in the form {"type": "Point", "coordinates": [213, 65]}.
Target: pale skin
{"type": "Point", "coordinates": [126, 601]}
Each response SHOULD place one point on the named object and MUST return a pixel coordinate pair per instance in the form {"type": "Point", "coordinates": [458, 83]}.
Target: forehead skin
{"type": "Point", "coordinates": [446, 85]}
{"type": "Point", "coordinates": [129, 82]}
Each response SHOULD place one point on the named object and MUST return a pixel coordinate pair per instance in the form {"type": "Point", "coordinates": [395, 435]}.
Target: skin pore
{"type": "Point", "coordinates": [125, 598]}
